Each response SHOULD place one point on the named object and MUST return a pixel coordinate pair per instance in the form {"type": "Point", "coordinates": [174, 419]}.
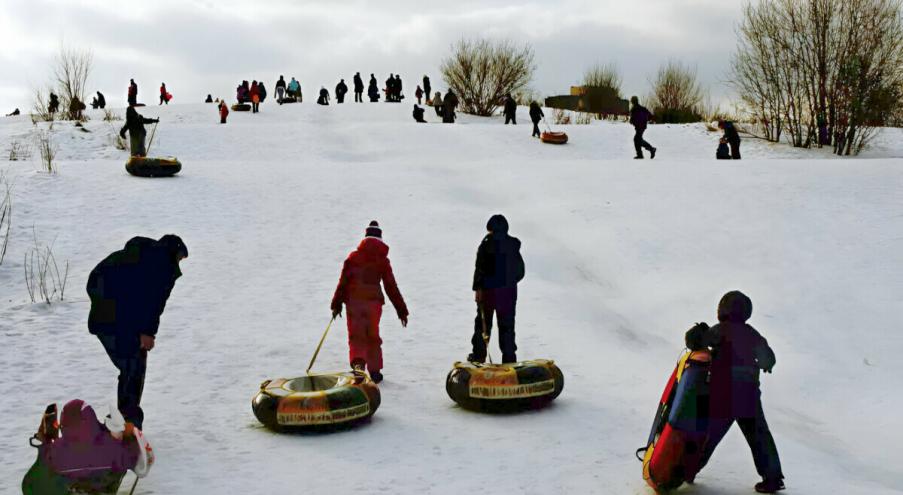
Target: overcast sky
{"type": "Point", "coordinates": [206, 46]}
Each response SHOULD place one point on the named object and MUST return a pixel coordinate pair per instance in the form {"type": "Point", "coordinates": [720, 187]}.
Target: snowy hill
{"type": "Point", "coordinates": [622, 257]}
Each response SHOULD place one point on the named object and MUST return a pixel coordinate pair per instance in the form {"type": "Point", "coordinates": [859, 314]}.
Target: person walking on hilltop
{"type": "Point", "coordinates": [499, 268]}
{"type": "Point", "coordinates": [418, 94]}
{"type": "Point", "coordinates": [134, 123]}
{"type": "Point", "coordinates": [133, 92]}
{"type": "Point", "coordinates": [510, 110]}
{"type": "Point", "coordinates": [358, 88]}
{"type": "Point", "coordinates": [639, 118]}
{"type": "Point", "coordinates": [280, 89]}
{"type": "Point", "coordinates": [398, 92]}
{"type": "Point", "coordinates": [390, 88]}
{"type": "Point", "coordinates": [53, 104]}
{"type": "Point", "coordinates": [373, 89]}
{"type": "Point", "coordinates": [340, 90]}
{"type": "Point", "coordinates": [360, 292]}
{"type": "Point", "coordinates": [739, 353]}
{"type": "Point", "coordinates": [449, 104]}
{"type": "Point", "coordinates": [164, 95]}
{"type": "Point", "coordinates": [731, 137]}
{"type": "Point", "coordinates": [128, 292]}
{"type": "Point", "coordinates": [427, 88]}
{"type": "Point", "coordinates": [98, 101]}
{"type": "Point", "coordinates": [438, 104]}
{"type": "Point", "coordinates": [262, 91]}
{"type": "Point", "coordinates": [536, 115]}
{"type": "Point", "coordinates": [223, 111]}
{"type": "Point", "coordinates": [254, 93]}
{"type": "Point", "coordinates": [324, 97]}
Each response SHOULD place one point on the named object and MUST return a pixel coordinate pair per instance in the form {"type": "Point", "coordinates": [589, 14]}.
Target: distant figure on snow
{"type": "Point", "coordinates": [739, 353]}
{"type": "Point", "coordinates": [438, 104]}
{"type": "Point", "coordinates": [418, 114]}
{"type": "Point", "coordinates": [280, 89]}
{"type": "Point", "coordinates": [13, 113]}
{"type": "Point", "coordinates": [359, 290]}
{"type": "Point", "coordinates": [358, 88]}
{"type": "Point", "coordinates": [324, 97]}
{"type": "Point", "coordinates": [294, 89]}
{"type": "Point", "coordinates": [340, 90]}
{"type": "Point", "coordinates": [75, 108]}
{"type": "Point", "coordinates": [134, 123]}
{"type": "Point", "coordinates": [510, 110]}
{"type": "Point", "coordinates": [128, 292]}
{"type": "Point", "coordinates": [731, 137]}
{"type": "Point", "coordinates": [390, 88]}
{"type": "Point", "coordinates": [398, 93]}
{"type": "Point", "coordinates": [373, 89]}
{"type": "Point", "coordinates": [99, 101]}
{"type": "Point", "coordinates": [255, 97]}
{"type": "Point", "coordinates": [164, 95]}
{"type": "Point", "coordinates": [262, 91]}
{"type": "Point", "coordinates": [449, 104]}
{"type": "Point", "coordinates": [499, 268]}
{"type": "Point", "coordinates": [209, 99]}
{"type": "Point", "coordinates": [639, 118]}
{"type": "Point", "coordinates": [53, 105]}
{"type": "Point", "coordinates": [133, 92]}
{"type": "Point", "coordinates": [536, 115]}
{"type": "Point", "coordinates": [223, 112]}
{"type": "Point", "coordinates": [418, 94]}
{"type": "Point", "coordinates": [427, 88]}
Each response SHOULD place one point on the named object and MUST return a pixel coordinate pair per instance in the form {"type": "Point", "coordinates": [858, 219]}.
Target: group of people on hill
{"type": "Point", "coordinates": [284, 90]}
{"type": "Point", "coordinates": [254, 93]}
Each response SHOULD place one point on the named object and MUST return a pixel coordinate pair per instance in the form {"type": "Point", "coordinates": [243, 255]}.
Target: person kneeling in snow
{"type": "Point", "coordinates": [134, 123]}
{"type": "Point", "coordinates": [499, 268]}
{"type": "Point", "coordinates": [738, 353]}
{"type": "Point", "coordinates": [359, 290]}
{"type": "Point", "coordinates": [128, 292]}
{"type": "Point", "coordinates": [418, 114]}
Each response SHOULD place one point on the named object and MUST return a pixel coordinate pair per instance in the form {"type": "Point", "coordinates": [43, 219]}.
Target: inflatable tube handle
{"type": "Point", "coordinates": [637, 453]}
{"type": "Point", "coordinates": [316, 352]}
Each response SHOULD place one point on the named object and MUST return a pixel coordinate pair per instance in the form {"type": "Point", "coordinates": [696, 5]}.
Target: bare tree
{"type": "Point", "coordinates": [71, 69]}
{"type": "Point", "coordinates": [676, 94]}
{"type": "Point", "coordinates": [482, 72]}
{"type": "Point", "coordinates": [604, 76]}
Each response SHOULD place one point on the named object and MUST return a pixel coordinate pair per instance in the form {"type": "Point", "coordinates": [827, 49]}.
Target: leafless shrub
{"type": "Point", "coordinates": [43, 278]}
{"type": "Point", "coordinates": [47, 149]}
{"type": "Point", "coordinates": [110, 116]}
{"type": "Point", "coordinates": [583, 118]}
{"type": "Point", "coordinates": [18, 151]}
{"type": "Point", "coordinates": [40, 111]}
{"type": "Point", "coordinates": [561, 117]}
{"type": "Point", "coordinates": [676, 94]}
{"type": "Point", "coordinates": [71, 69]}
{"type": "Point", "coordinates": [6, 213]}
{"type": "Point", "coordinates": [604, 76]}
{"type": "Point", "coordinates": [482, 72]}
{"type": "Point", "coordinates": [825, 72]}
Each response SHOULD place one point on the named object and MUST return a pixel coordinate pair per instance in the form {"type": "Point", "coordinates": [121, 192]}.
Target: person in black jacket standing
{"type": "Point", "coordinates": [536, 115]}
{"type": "Point", "coordinates": [639, 118]}
{"type": "Point", "coordinates": [499, 268]}
{"type": "Point", "coordinates": [427, 88]}
{"type": "Point", "coordinates": [739, 353]}
{"type": "Point", "coordinates": [128, 292]}
{"type": "Point", "coordinates": [340, 90]}
{"type": "Point", "coordinates": [134, 123]}
{"type": "Point", "coordinates": [358, 88]}
{"type": "Point", "coordinates": [510, 110]}
{"type": "Point", "coordinates": [731, 136]}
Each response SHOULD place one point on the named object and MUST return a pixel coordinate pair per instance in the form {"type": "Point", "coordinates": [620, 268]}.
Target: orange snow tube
{"type": "Point", "coordinates": [554, 137]}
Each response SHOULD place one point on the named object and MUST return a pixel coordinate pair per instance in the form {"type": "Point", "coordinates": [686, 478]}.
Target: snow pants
{"type": "Point", "coordinates": [132, 365]}
{"type": "Point", "coordinates": [536, 132]}
{"type": "Point", "coordinates": [511, 118]}
{"type": "Point", "coordinates": [363, 333]}
{"type": "Point", "coordinates": [758, 436]}
{"type": "Point", "coordinates": [639, 143]}
{"type": "Point", "coordinates": [280, 93]}
{"type": "Point", "coordinates": [136, 143]}
{"type": "Point", "coordinates": [735, 149]}
{"type": "Point", "coordinates": [502, 303]}
{"type": "Point", "coordinates": [358, 96]}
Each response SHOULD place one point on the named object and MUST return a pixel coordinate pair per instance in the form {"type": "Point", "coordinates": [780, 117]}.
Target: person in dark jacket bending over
{"type": "Point", "coordinates": [536, 115]}
{"type": "Point", "coordinates": [510, 110]}
{"type": "Point", "coordinates": [731, 136]}
{"type": "Point", "coordinates": [639, 118]}
{"type": "Point", "coordinates": [499, 268]}
{"type": "Point", "coordinates": [739, 352]}
{"type": "Point", "coordinates": [418, 114]}
{"type": "Point", "coordinates": [134, 123]}
{"type": "Point", "coordinates": [128, 292]}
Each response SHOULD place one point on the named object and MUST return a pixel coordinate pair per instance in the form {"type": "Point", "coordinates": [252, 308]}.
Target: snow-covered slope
{"type": "Point", "coordinates": [622, 257]}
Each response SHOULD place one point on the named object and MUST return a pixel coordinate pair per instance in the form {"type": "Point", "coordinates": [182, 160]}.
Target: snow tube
{"type": "Point", "coordinates": [241, 107]}
{"type": "Point", "coordinates": [554, 137]}
{"type": "Point", "coordinates": [287, 99]}
{"type": "Point", "coordinates": [504, 387]}
{"type": "Point", "coordinates": [674, 448]}
{"type": "Point", "coordinates": [316, 402]}
{"type": "Point", "coordinates": [153, 167]}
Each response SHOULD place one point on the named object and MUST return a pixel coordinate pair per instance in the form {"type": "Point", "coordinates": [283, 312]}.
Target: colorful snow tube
{"type": "Point", "coordinates": [504, 387]}
{"type": "Point", "coordinates": [674, 449]}
{"type": "Point", "coordinates": [241, 107]}
{"type": "Point", "coordinates": [316, 402]}
{"type": "Point", "coordinates": [142, 166]}
{"type": "Point", "coordinates": [554, 137]}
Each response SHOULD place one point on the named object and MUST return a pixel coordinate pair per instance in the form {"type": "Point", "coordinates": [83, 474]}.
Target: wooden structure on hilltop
{"type": "Point", "coordinates": [601, 101]}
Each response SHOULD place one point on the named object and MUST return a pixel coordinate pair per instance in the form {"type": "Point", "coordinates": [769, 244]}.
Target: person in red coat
{"type": "Point", "coordinates": [360, 291]}
{"type": "Point", "coordinates": [223, 112]}
{"type": "Point", "coordinates": [255, 97]}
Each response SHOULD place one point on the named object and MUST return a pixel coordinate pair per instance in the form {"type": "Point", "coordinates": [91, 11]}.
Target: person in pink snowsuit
{"type": "Point", "coordinates": [360, 291]}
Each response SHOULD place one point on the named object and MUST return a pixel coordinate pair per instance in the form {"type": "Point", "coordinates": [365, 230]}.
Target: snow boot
{"type": "Point", "coordinates": [652, 153]}
{"type": "Point", "coordinates": [358, 365]}
{"type": "Point", "coordinates": [472, 358]}
{"type": "Point", "coordinates": [770, 486]}
{"type": "Point", "coordinates": [376, 376]}
{"type": "Point", "coordinates": [638, 157]}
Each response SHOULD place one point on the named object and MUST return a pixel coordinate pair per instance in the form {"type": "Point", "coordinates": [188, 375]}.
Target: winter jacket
{"type": "Point", "coordinates": [510, 106]}
{"type": "Point", "coordinates": [418, 114]}
{"type": "Point", "coordinates": [730, 133]}
{"type": "Point", "coordinates": [101, 100]}
{"type": "Point", "coordinates": [262, 91]}
{"type": "Point", "coordinates": [426, 86]}
{"type": "Point", "coordinates": [639, 116]}
{"type": "Point", "coordinates": [536, 113]}
{"type": "Point", "coordinates": [134, 123]}
{"type": "Point", "coordinates": [129, 289]}
{"type": "Point", "coordinates": [437, 100]}
{"type": "Point", "coordinates": [358, 84]}
{"type": "Point", "coordinates": [450, 101]}
{"type": "Point", "coordinates": [255, 91]}
{"type": "Point", "coordinates": [362, 273]}
{"type": "Point", "coordinates": [294, 86]}
{"type": "Point", "coordinates": [280, 83]}
{"type": "Point", "coordinates": [341, 88]}
{"type": "Point", "coordinates": [499, 262]}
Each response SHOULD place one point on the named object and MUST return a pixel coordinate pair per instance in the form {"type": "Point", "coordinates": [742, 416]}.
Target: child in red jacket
{"type": "Point", "coordinates": [360, 291]}
{"type": "Point", "coordinates": [223, 111]}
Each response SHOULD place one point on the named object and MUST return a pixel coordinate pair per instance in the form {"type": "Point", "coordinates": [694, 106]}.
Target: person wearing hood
{"type": "Point", "coordinates": [450, 103]}
{"type": "Point", "coordinates": [731, 137]}
{"type": "Point", "coordinates": [360, 292]}
{"type": "Point", "coordinates": [510, 110]}
{"type": "Point", "coordinates": [294, 89]}
{"type": "Point", "coordinates": [498, 269]}
{"type": "Point", "coordinates": [128, 292]}
{"type": "Point", "coordinates": [536, 115]}
{"type": "Point", "coordinates": [739, 353]}
{"type": "Point", "coordinates": [280, 89]}
{"type": "Point", "coordinates": [254, 93]}
{"type": "Point", "coordinates": [373, 89]}
{"type": "Point", "coordinates": [324, 97]}
{"type": "Point", "coordinates": [438, 104]}
{"type": "Point", "coordinates": [340, 90]}
{"type": "Point", "coordinates": [223, 112]}
{"type": "Point", "coordinates": [134, 123]}
{"type": "Point", "coordinates": [358, 88]}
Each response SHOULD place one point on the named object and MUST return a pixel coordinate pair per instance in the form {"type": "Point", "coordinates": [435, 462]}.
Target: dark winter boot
{"type": "Point", "coordinates": [358, 365]}
{"type": "Point", "coordinates": [376, 376]}
{"type": "Point", "coordinates": [770, 486]}
{"type": "Point", "coordinates": [652, 153]}
{"type": "Point", "coordinates": [638, 157]}
{"type": "Point", "coordinates": [472, 358]}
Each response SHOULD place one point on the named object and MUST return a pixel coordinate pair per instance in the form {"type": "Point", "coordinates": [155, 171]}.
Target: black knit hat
{"type": "Point", "coordinates": [497, 224]}
{"type": "Point", "coordinates": [735, 307]}
{"type": "Point", "coordinates": [175, 245]}
{"type": "Point", "coordinates": [373, 230]}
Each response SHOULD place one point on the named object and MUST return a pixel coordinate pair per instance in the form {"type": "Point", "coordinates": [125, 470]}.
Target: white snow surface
{"type": "Point", "coordinates": [622, 257]}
